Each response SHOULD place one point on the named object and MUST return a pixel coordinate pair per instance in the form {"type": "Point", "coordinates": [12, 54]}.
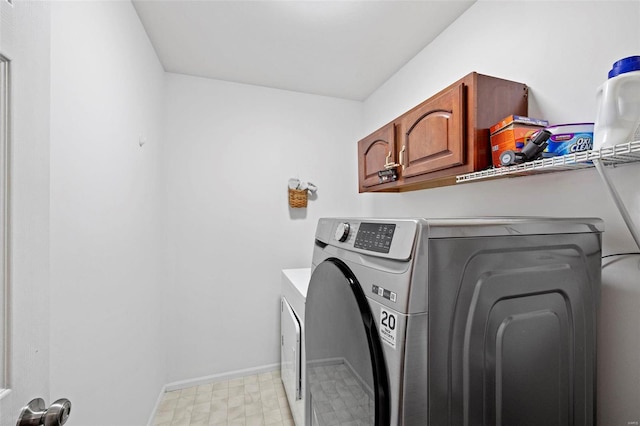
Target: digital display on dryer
{"type": "Point", "coordinates": [375, 236]}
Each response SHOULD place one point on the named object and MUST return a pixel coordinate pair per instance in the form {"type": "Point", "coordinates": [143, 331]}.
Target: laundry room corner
{"type": "Point", "coordinates": [231, 150]}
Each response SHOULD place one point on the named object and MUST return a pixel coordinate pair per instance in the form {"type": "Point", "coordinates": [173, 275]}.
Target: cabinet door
{"type": "Point", "coordinates": [432, 134]}
{"type": "Point", "coordinates": [372, 155]}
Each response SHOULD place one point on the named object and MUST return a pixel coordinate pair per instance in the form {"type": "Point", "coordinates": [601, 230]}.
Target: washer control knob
{"type": "Point", "coordinates": [342, 231]}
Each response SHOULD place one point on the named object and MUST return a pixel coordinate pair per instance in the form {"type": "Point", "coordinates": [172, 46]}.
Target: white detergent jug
{"type": "Point", "coordinates": [618, 100]}
{"type": "Point", "coordinates": [618, 121]}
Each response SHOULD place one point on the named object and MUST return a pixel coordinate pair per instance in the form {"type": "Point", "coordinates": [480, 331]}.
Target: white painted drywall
{"type": "Point", "coordinates": [24, 39]}
{"type": "Point", "coordinates": [230, 150]}
{"type": "Point", "coordinates": [562, 51]}
{"type": "Point", "coordinates": [107, 233]}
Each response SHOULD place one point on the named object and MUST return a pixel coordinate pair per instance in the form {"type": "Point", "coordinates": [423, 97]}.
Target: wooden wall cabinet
{"type": "Point", "coordinates": [445, 136]}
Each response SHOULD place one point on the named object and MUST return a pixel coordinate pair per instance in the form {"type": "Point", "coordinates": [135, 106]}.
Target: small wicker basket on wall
{"type": "Point", "coordinates": [298, 198]}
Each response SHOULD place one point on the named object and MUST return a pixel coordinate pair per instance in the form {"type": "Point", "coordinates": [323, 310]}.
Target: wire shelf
{"type": "Point", "coordinates": [618, 154]}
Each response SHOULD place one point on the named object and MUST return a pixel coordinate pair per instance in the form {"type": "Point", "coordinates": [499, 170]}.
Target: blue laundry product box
{"type": "Point", "coordinates": [569, 138]}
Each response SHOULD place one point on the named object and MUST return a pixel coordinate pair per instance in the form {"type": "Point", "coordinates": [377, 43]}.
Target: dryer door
{"type": "Point", "coordinates": [346, 374]}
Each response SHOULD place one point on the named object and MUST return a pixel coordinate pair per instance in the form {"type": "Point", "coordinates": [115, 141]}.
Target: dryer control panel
{"type": "Point", "coordinates": [375, 236]}
{"type": "Point", "coordinates": [391, 238]}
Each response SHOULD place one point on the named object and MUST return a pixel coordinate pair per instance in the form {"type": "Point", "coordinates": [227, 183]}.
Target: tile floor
{"type": "Point", "coordinates": [246, 401]}
{"type": "Point", "coordinates": [340, 396]}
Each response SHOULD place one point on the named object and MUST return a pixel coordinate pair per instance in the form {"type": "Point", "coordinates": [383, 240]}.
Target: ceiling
{"type": "Point", "coordinates": [345, 49]}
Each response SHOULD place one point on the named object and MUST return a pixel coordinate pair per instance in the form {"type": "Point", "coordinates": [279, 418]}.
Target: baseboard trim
{"type": "Point", "coordinates": [197, 381]}
{"type": "Point", "coordinates": [156, 405]}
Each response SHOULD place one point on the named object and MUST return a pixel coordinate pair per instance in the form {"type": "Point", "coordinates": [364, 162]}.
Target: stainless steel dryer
{"type": "Point", "coordinates": [446, 322]}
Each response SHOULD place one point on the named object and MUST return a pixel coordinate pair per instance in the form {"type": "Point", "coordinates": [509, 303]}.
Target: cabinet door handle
{"type": "Point", "coordinates": [388, 164]}
{"type": "Point", "coordinates": [404, 147]}
{"type": "Point", "coordinates": [387, 160]}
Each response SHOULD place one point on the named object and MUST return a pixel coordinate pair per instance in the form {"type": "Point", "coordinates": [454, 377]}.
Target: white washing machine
{"type": "Point", "coordinates": [292, 361]}
{"type": "Point", "coordinates": [452, 322]}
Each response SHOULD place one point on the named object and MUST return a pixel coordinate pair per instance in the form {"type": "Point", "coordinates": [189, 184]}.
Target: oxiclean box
{"type": "Point", "coordinates": [569, 138]}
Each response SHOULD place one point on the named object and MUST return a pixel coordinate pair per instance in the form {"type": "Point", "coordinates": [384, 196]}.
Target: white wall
{"type": "Point", "coordinates": [107, 233]}
{"type": "Point", "coordinates": [562, 51]}
{"type": "Point", "coordinates": [230, 150]}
